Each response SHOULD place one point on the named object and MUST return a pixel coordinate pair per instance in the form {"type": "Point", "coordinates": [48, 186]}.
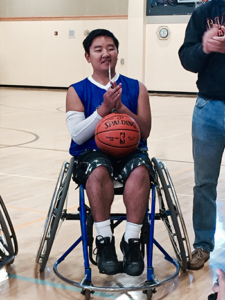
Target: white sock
{"type": "Point", "coordinates": [132, 231]}
{"type": "Point", "coordinates": [104, 229]}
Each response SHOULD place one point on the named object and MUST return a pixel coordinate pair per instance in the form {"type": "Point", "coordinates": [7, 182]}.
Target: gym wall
{"type": "Point", "coordinates": [59, 8]}
{"type": "Point", "coordinates": [164, 71]}
{"type": "Point", "coordinates": [36, 49]}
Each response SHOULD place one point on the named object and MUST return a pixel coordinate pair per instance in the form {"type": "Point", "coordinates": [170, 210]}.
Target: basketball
{"type": "Point", "coordinates": [117, 135]}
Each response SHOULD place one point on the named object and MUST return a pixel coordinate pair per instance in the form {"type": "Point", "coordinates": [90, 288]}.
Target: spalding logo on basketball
{"type": "Point", "coordinates": [117, 135]}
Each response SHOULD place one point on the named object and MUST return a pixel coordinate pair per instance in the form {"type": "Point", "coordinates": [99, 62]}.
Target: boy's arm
{"type": "Point", "coordinates": [81, 129]}
{"type": "Point", "coordinates": [73, 102]}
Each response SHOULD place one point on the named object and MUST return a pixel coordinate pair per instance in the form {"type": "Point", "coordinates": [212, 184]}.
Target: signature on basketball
{"type": "Point", "coordinates": [111, 138]}
{"type": "Point", "coordinates": [120, 122]}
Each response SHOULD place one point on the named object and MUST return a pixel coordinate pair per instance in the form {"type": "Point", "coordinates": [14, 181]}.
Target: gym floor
{"type": "Point", "coordinates": [34, 142]}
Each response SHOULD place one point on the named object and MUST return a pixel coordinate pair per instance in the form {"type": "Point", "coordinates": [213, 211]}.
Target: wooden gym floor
{"type": "Point", "coordinates": [34, 142]}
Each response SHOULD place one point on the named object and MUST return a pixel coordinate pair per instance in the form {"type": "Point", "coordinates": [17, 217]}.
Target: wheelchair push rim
{"type": "Point", "coordinates": [172, 215]}
{"type": "Point", "coordinates": [176, 203]}
{"type": "Point", "coordinates": [55, 214]}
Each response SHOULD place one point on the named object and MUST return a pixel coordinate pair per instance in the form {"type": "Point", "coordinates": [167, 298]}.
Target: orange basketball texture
{"type": "Point", "coordinates": [117, 135]}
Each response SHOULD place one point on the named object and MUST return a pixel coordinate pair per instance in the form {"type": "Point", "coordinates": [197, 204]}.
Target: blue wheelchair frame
{"type": "Point", "coordinates": [169, 212]}
{"type": "Point", "coordinates": [86, 283]}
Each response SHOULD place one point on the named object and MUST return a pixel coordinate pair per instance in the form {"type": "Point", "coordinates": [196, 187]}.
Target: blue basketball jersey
{"type": "Point", "coordinates": [91, 96]}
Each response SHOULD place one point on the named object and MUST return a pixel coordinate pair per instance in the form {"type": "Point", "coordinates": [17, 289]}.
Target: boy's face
{"type": "Point", "coordinates": [103, 52]}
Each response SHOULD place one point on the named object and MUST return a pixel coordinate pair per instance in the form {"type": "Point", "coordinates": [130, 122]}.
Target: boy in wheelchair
{"type": "Point", "coordinates": [87, 102]}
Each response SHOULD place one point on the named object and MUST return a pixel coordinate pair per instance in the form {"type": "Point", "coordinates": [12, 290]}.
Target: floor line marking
{"type": "Point", "coordinates": [29, 223]}
{"type": "Point", "coordinates": [167, 137]}
{"type": "Point", "coordinates": [39, 219]}
{"type": "Point", "coordinates": [26, 209]}
{"type": "Point", "coordinates": [30, 177]}
{"type": "Point", "coordinates": [193, 196]}
{"type": "Point", "coordinates": [57, 285]}
{"type": "Point", "coordinates": [182, 171]}
{"type": "Point", "coordinates": [36, 210]}
{"type": "Point", "coordinates": [185, 195]}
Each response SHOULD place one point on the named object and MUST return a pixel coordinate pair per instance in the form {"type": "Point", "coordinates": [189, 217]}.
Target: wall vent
{"type": "Point", "coordinates": [71, 34]}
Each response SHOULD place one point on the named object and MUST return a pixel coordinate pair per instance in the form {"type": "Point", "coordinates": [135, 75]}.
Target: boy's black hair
{"type": "Point", "coordinates": [95, 33]}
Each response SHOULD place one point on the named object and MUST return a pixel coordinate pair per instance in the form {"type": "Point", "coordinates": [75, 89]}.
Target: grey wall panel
{"type": "Point", "coordinates": [3, 8]}
{"type": "Point", "coordinates": [58, 8]}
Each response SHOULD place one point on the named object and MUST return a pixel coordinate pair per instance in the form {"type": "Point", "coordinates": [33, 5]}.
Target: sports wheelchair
{"type": "Point", "coordinates": [8, 240]}
{"type": "Point", "coordinates": [169, 212]}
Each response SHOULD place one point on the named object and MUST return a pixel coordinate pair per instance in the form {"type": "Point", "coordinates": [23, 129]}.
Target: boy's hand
{"type": "Point", "coordinates": [111, 97]}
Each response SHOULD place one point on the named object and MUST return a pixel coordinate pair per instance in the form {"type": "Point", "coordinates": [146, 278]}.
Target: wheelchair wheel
{"type": "Point", "coordinates": [57, 212]}
{"type": "Point", "coordinates": [4, 233]}
{"type": "Point", "coordinates": [177, 207]}
{"type": "Point", "coordinates": [171, 214]}
{"type": "Point", "coordinates": [10, 227]}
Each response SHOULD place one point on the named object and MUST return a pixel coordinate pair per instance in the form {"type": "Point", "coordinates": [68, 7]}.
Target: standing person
{"type": "Point", "coordinates": [203, 52]}
{"type": "Point", "coordinates": [87, 102]}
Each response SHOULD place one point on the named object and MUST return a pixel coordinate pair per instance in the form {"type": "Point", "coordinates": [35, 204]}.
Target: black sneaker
{"type": "Point", "coordinates": [107, 261]}
{"type": "Point", "coordinates": [133, 262]}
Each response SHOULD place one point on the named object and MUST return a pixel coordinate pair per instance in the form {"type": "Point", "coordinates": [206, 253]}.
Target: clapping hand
{"type": "Point", "coordinates": [211, 42]}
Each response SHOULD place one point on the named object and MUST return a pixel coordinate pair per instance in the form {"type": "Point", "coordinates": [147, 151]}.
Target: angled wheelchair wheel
{"type": "Point", "coordinates": [9, 225]}
{"type": "Point", "coordinates": [6, 238]}
{"type": "Point", "coordinates": [56, 214]}
{"type": "Point", "coordinates": [171, 214]}
{"type": "Point", "coordinates": [177, 207]}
